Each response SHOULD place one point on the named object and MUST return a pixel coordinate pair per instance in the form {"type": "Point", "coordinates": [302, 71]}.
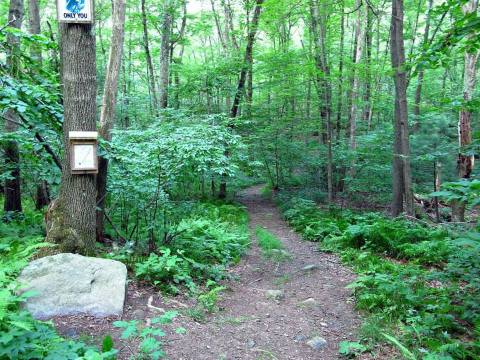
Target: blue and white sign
{"type": "Point", "coordinates": [75, 11]}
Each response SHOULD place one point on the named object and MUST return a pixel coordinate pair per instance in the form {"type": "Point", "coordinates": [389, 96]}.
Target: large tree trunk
{"type": "Point", "coordinates": [402, 183]}
{"type": "Point", "coordinates": [107, 114]}
{"type": "Point", "coordinates": [71, 217]}
{"type": "Point", "coordinates": [165, 53]}
{"type": "Point", "coordinates": [465, 161]}
{"type": "Point", "coordinates": [150, 72]}
{"type": "Point", "coordinates": [12, 191]}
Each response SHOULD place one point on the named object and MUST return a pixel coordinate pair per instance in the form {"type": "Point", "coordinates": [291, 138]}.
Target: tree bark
{"type": "Point", "coordinates": [222, 192]}
{"type": "Point", "coordinates": [71, 217]}
{"type": "Point", "coordinates": [359, 40]}
{"type": "Point", "coordinates": [418, 89]}
{"type": "Point", "coordinates": [465, 162]}
{"type": "Point", "coordinates": [340, 72]}
{"type": "Point", "coordinates": [402, 183]}
{"type": "Point", "coordinates": [12, 189]}
{"type": "Point", "coordinates": [148, 56]}
{"type": "Point", "coordinates": [248, 59]}
{"type": "Point", "coordinates": [42, 195]}
{"type": "Point", "coordinates": [107, 113]}
{"type": "Point", "coordinates": [165, 53]}
{"type": "Point", "coordinates": [324, 89]}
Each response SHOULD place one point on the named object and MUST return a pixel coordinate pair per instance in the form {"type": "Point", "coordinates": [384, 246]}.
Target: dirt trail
{"type": "Point", "coordinates": [251, 326]}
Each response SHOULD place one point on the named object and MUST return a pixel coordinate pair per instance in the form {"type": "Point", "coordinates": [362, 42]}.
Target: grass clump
{"type": "Point", "coordinates": [271, 246]}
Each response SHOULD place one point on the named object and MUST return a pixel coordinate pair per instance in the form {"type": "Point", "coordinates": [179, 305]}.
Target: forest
{"type": "Point", "coordinates": [239, 179]}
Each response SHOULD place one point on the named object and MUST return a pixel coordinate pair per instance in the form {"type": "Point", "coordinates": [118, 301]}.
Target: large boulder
{"type": "Point", "coordinates": [69, 284]}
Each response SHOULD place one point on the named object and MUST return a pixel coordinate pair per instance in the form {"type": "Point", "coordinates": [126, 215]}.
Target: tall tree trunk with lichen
{"type": "Point", "coordinates": [12, 190]}
{"type": "Point", "coordinates": [71, 217]}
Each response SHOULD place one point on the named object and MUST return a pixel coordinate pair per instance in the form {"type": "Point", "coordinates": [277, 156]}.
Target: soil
{"type": "Point", "coordinates": [249, 325]}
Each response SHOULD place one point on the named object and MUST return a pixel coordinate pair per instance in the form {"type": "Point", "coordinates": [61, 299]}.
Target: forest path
{"type": "Point", "coordinates": [253, 326]}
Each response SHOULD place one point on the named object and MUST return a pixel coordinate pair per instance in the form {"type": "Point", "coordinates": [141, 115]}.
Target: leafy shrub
{"type": "Point", "coordinates": [150, 346]}
{"type": "Point", "coordinates": [162, 269]}
{"type": "Point", "coordinates": [200, 247]}
{"type": "Point", "coordinates": [426, 312]}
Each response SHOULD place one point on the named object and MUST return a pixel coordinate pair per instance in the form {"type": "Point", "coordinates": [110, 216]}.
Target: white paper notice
{"type": "Point", "coordinates": [84, 157]}
{"type": "Point", "coordinates": [75, 11]}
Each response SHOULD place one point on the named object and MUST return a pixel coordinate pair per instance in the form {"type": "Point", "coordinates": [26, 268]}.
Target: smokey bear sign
{"type": "Point", "coordinates": [75, 11]}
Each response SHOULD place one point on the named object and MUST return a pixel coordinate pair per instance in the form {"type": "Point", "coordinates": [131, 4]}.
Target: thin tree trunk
{"type": "Point", "coordinates": [148, 56]}
{"type": "Point", "coordinates": [107, 113]}
{"type": "Point", "coordinates": [165, 54]}
{"type": "Point", "coordinates": [465, 161]}
{"type": "Point", "coordinates": [368, 70]}
{"type": "Point", "coordinates": [222, 193]}
{"type": "Point", "coordinates": [12, 190]}
{"type": "Point", "coordinates": [319, 28]}
{"type": "Point", "coordinates": [248, 59]}
{"type": "Point", "coordinates": [71, 217]}
{"type": "Point", "coordinates": [42, 195]}
{"type": "Point", "coordinates": [340, 72]}
{"type": "Point", "coordinates": [418, 90]}
{"type": "Point", "coordinates": [359, 40]}
{"type": "Point", "coordinates": [402, 183]}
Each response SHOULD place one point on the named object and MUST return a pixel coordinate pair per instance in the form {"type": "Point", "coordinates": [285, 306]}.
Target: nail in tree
{"type": "Point", "coordinates": [71, 217]}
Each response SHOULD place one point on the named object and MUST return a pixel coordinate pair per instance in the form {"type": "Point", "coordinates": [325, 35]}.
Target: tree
{"type": "Point", "coordinates": [465, 161]}
{"type": "Point", "coordinates": [402, 188]}
{"type": "Point", "coordinates": [361, 9]}
{"type": "Point", "coordinates": [165, 53]}
{"type": "Point", "coordinates": [107, 113]}
{"type": "Point", "coordinates": [243, 77]}
{"type": "Point", "coordinates": [71, 217]}
{"type": "Point", "coordinates": [150, 73]}
{"type": "Point", "coordinates": [12, 190]}
{"type": "Point", "coordinates": [324, 87]}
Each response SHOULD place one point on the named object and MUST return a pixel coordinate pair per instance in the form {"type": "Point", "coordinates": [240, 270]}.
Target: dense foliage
{"type": "Point", "coordinates": [418, 284]}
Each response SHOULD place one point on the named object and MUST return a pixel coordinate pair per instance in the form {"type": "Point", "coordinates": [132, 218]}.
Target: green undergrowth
{"type": "Point", "coordinates": [419, 285]}
{"type": "Point", "coordinates": [198, 248]}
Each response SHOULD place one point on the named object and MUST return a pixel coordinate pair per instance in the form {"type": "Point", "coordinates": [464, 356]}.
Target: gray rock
{"type": "Point", "coordinates": [275, 294]}
{"type": "Point", "coordinates": [251, 343]}
{"type": "Point", "coordinates": [300, 338]}
{"type": "Point", "coordinates": [310, 267]}
{"type": "Point", "coordinates": [310, 302]}
{"type": "Point", "coordinates": [69, 284]}
{"type": "Point", "coordinates": [317, 343]}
